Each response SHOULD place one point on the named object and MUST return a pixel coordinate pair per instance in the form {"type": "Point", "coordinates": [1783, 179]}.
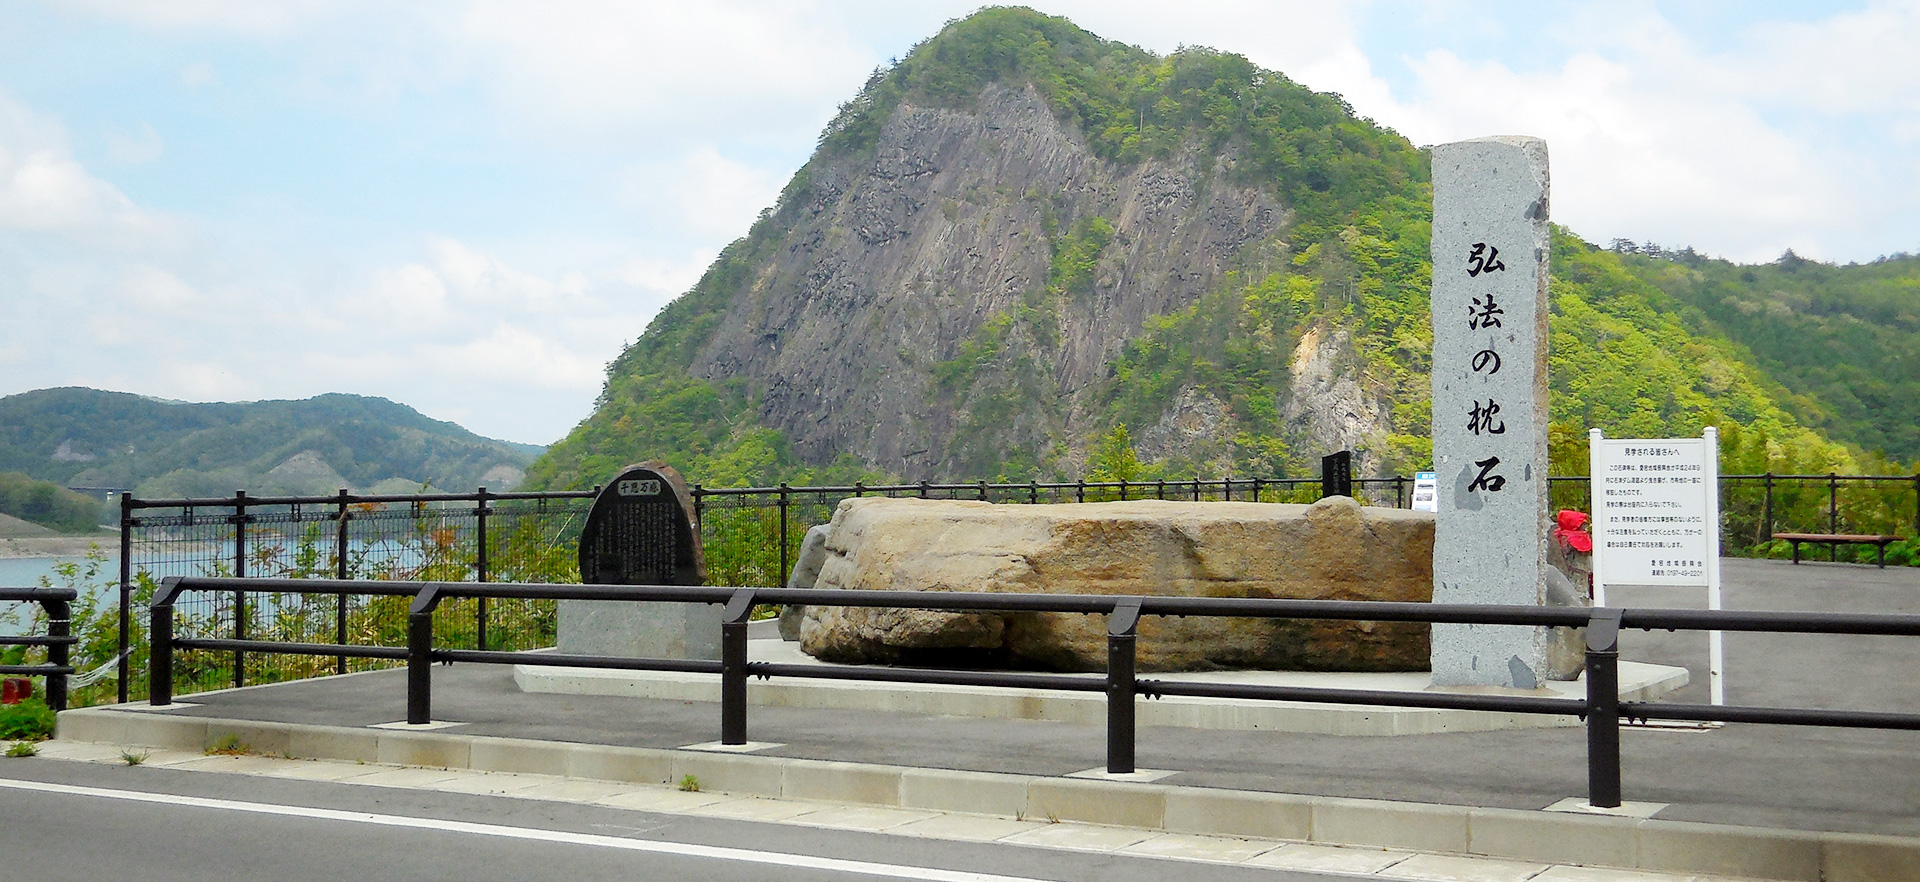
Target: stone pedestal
{"type": "Point", "coordinates": [639, 630]}
{"type": "Point", "coordinates": [641, 531]}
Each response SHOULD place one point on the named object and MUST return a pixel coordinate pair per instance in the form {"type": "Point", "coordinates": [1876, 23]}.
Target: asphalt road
{"type": "Point", "coordinates": [83, 822]}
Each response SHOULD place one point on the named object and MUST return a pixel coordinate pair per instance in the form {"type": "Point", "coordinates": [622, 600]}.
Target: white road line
{"type": "Point", "coordinates": [774, 858]}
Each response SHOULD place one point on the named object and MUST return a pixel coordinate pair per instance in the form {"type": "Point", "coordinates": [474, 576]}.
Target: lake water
{"type": "Point", "coordinates": [26, 572]}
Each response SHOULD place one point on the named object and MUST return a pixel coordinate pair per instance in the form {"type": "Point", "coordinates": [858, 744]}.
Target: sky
{"type": "Point", "coordinates": [471, 206]}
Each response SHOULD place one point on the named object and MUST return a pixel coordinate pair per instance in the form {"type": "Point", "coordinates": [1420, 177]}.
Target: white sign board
{"type": "Point", "coordinates": [1656, 521]}
{"type": "Point", "coordinates": [1653, 511]}
{"type": "Point", "coordinates": [1426, 490]}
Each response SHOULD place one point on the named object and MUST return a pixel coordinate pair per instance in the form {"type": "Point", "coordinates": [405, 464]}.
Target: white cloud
{"type": "Point", "coordinates": [244, 17]}
{"type": "Point", "coordinates": [1653, 137]}
{"type": "Point", "coordinates": [44, 190]}
{"type": "Point", "coordinates": [199, 74]}
{"type": "Point", "coordinates": [137, 149]}
{"type": "Point", "coordinates": [670, 277]}
{"type": "Point", "coordinates": [656, 70]}
{"type": "Point", "coordinates": [1854, 62]}
{"type": "Point", "coordinates": [702, 191]}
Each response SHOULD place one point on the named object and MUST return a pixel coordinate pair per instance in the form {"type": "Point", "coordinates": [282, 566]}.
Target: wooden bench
{"type": "Point", "coordinates": [1878, 541]}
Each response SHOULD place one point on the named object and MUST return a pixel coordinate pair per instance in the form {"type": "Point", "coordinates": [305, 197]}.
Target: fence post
{"type": "Point", "coordinates": [1766, 516]}
{"type": "Point", "coordinates": [1080, 490]}
{"type": "Point", "coordinates": [1603, 708]}
{"type": "Point", "coordinates": [1833, 514]}
{"type": "Point", "coordinates": [923, 489]}
{"type": "Point", "coordinates": [340, 572]}
{"type": "Point", "coordinates": [420, 656]}
{"type": "Point", "coordinates": [239, 594]}
{"type": "Point", "coordinates": [59, 652]}
{"type": "Point", "coordinates": [160, 650]}
{"type": "Point", "coordinates": [1033, 493]}
{"type": "Point", "coordinates": [1122, 634]}
{"type": "Point", "coordinates": [699, 506]}
{"type": "Point", "coordinates": [480, 570]}
{"type": "Point", "coordinates": [126, 591]}
{"type": "Point", "coordinates": [1123, 489]}
{"type": "Point", "coordinates": [1256, 489]}
{"type": "Point", "coordinates": [859, 489]}
{"type": "Point", "coordinates": [733, 667]}
{"type": "Point", "coordinates": [1916, 505]}
{"type": "Point", "coordinates": [983, 492]}
{"type": "Point", "coordinates": [781, 578]}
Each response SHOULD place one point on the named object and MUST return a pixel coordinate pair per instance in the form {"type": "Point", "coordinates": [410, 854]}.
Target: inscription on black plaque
{"type": "Point", "coordinates": [1336, 474]}
{"type": "Point", "coordinates": [640, 531]}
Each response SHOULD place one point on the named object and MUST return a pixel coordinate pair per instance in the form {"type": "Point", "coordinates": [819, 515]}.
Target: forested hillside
{"type": "Point", "coordinates": [1843, 340]}
{"type": "Point", "coordinates": [48, 505]}
{"type": "Point", "coordinates": [91, 438]}
{"type": "Point", "coordinates": [1026, 252]}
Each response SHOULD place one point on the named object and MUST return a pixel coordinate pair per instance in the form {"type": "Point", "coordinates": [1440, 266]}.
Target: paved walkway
{"type": "Point", "coordinates": [1120, 842]}
{"type": "Point", "coordinates": [1768, 776]}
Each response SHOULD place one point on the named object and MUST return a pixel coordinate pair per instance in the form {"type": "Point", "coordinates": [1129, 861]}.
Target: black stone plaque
{"type": "Point", "coordinates": [1336, 474]}
{"type": "Point", "coordinates": [640, 532]}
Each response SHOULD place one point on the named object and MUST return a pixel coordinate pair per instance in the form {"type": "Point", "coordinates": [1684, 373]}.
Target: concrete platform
{"type": "Point", "coordinates": [1638, 682]}
{"type": "Point", "coordinates": [1759, 801]}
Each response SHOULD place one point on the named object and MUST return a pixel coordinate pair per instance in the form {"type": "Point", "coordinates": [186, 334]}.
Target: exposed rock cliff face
{"type": "Point", "coordinates": [1018, 239]}
{"type": "Point", "coordinates": [900, 261]}
{"type": "Point", "coordinates": [1328, 404]}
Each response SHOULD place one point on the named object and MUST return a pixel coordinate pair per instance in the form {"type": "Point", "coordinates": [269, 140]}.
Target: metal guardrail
{"type": "Point", "coordinates": [58, 640]}
{"type": "Point", "coordinates": [1601, 708]}
{"type": "Point", "coordinates": [224, 535]}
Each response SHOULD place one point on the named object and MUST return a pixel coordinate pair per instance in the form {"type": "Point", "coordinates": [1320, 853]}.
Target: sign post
{"type": "Point", "coordinates": [1426, 488]}
{"type": "Point", "coordinates": [1656, 521]}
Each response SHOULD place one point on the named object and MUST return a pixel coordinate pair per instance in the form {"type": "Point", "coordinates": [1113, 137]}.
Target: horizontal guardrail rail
{"type": "Point", "coordinates": [524, 536]}
{"type": "Point", "coordinates": [59, 639]}
{"type": "Point", "coordinates": [1601, 707]}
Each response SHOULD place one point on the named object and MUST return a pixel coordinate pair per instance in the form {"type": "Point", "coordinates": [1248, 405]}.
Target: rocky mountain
{"type": "Point", "coordinates": [1023, 252]}
{"type": "Point", "coordinates": [91, 438]}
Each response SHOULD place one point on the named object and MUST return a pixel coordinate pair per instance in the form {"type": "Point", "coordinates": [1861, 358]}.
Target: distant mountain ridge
{"type": "Point", "coordinates": [1025, 252]}
{"type": "Point", "coordinates": [81, 437]}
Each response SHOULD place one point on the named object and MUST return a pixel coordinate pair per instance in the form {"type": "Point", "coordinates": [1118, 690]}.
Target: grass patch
{"type": "Point", "coordinates": [230, 745]}
{"type": "Point", "coordinates": [29, 720]}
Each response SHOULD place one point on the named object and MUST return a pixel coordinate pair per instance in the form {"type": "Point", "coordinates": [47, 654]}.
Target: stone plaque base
{"type": "Point", "coordinates": [639, 630]}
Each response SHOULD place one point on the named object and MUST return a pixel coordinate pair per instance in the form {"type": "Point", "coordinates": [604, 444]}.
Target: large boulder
{"type": "Point", "coordinates": [1331, 550]}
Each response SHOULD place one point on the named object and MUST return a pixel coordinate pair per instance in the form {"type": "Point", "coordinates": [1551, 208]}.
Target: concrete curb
{"type": "Point", "coordinates": [1670, 846]}
{"type": "Point", "coordinates": [1639, 682]}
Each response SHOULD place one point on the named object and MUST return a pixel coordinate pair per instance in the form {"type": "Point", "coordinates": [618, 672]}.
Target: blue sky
{"type": "Point", "coordinates": [469, 206]}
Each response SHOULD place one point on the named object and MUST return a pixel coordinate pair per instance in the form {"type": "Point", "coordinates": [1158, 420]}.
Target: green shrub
{"type": "Point", "coordinates": [30, 720]}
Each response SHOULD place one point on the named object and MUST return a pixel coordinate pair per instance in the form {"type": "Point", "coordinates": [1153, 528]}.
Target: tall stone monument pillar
{"type": "Point", "coordinates": [1490, 246]}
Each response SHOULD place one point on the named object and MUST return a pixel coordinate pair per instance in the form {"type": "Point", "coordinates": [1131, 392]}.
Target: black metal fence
{"type": "Point", "coordinates": [751, 535]}
{"type": "Point", "coordinates": [481, 536]}
{"type": "Point", "coordinates": [57, 640]}
{"type": "Point", "coordinates": [1601, 708]}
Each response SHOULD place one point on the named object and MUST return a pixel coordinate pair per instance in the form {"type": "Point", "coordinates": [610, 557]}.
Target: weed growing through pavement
{"type": "Point", "coordinates": [690, 784]}
{"type": "Point", "coordinates": [22, 749]}
{"type": "Point", "coordinates": [134, 758]}
{"type": "Point", "coordinates": [229, 745]}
